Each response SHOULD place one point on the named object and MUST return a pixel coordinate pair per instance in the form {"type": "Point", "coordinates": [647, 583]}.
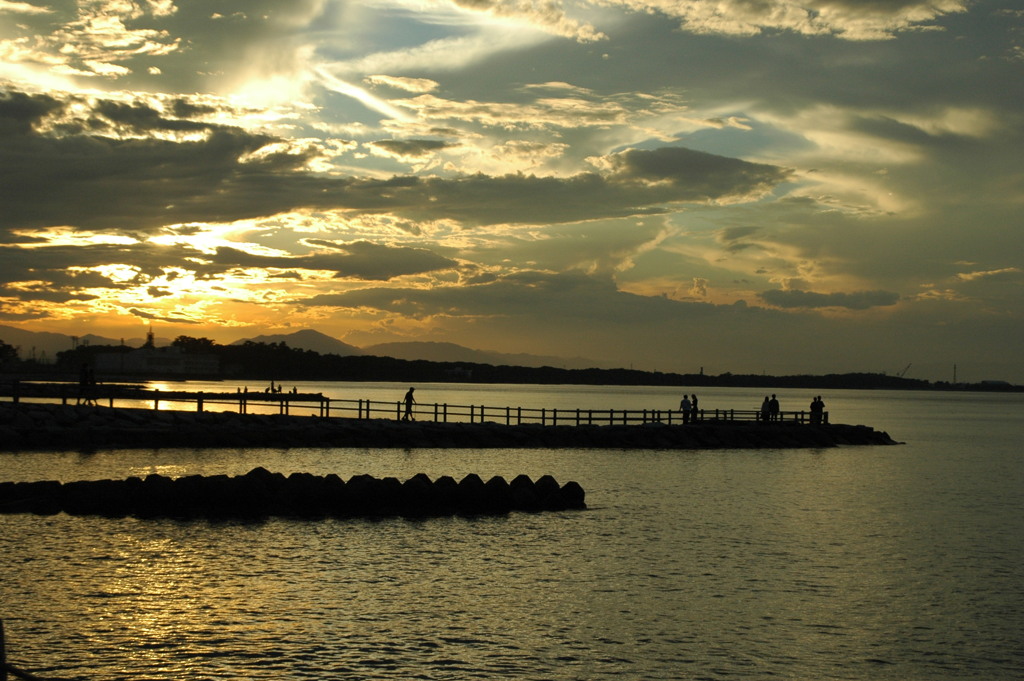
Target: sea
{"type": "Point", "coordinates": [856, 562]}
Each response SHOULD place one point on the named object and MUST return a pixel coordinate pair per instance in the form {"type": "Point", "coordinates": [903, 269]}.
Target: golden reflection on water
{"type": "Point", "coordinates": [850, 563]}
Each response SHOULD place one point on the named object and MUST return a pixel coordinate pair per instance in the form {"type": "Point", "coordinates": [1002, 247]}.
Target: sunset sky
{"type": "Point", "coordinates": [779, 186]}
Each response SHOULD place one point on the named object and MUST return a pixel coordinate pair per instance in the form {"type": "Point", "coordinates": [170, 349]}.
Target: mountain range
{"type": "Point", "coordinates": [44, 346]}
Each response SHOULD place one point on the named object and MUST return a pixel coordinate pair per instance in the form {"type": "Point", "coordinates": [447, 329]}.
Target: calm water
{"type": "Point", "coordinates": [850, 563]}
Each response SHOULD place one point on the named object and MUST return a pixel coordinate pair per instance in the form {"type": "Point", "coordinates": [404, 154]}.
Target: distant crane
{"type": "Point", "coordinates": [900, 374]}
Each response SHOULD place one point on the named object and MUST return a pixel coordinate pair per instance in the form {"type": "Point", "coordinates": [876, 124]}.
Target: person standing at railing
{"type": "Point", "coordinates": [773, 408]}
{"type": "Point", "coordinates": [817, 409]}
{"type": "Point", "coordinates": [409, 401]}
{"type": "Point", "coordinates": [694, 414]}
{"type": "Point", "coordinates": [685, 406]}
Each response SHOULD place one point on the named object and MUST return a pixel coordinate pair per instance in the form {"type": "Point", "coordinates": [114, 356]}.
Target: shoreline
{"type": "Point", "coordinates": [35, 426]}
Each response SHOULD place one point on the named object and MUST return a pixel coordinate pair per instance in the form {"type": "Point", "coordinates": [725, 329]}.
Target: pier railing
{"type": "Point", "coordinates": [316, 404]}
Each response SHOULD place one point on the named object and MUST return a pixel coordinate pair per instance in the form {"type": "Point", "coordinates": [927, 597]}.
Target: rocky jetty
{"type": "Point", "coordinates": [260, 494]}
{"type": "Point", "coordinates": [36, 426]}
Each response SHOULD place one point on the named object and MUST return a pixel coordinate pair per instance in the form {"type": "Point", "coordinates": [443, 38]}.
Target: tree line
{"type": "Point", "coordinates": [279, 362]}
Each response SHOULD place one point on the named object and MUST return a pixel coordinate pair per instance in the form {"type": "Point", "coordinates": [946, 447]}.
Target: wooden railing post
{"type": "Point", "coordinates": [199, 401]}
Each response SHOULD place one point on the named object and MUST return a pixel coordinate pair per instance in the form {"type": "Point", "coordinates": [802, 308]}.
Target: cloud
{"type": "Point", "coordinates": [1009, 273]}
{"type": "Point", "coordinates": [528, 293]}
{"type": "Point", "coordinates": [173, 319]}
{"type": "Point", "coordinates": [547, 16]}
{"type": "Point", "coordinates": [358, 260]}
{"type": "Point", "coordinates": [700, 175]}
{"type": "Point", "coordinates": [22, 8]}
{"type": "Point", "coordinates": [418, 85]}
{"type": "Point", "coordinates": [409, 149]}
{"type": "Point", "coordinates": [859, 300]}
{"type": "Point", "coordinates": [142, 183]}
{"type": "Point", "coordinates": [523, 162]}
{"type": "Point", "coordinates": [849, 19]}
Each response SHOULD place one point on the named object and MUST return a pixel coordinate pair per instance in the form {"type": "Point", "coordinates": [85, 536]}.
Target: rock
{"type": "Point", "coordinates": [261, 493]}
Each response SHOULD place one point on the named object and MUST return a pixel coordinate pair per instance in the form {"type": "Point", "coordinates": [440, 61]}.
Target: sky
{"type": "Point", "coordinates": [744, 186]}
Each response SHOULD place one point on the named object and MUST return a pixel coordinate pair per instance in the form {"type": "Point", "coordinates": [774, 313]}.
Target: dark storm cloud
{"type": "Point", "coordinates": [637, 183]}
{"type": "Point", "coordinates": [144, 184]}
{"type": "Point", "coordinates": [50, 273]}
{"type": "Point", "coordinates": [161, 318]}
{"type": "Point", "coordinates": [410, 148]}
{"type": "Point", "coordinates": [100, 182]}
{"type": "Point", "coordinates": [859, 300]}
{"type": "Point", "coordinates": [358, 260]}
{"type": "Point", "coordinates": [701, 175]}
{"type": "Point", "coordinates": [141, 118]}
{"type": "Point", "coordinates": [528, 294]}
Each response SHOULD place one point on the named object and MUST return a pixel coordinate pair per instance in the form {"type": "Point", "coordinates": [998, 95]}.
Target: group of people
{"type": "Point", "coordinates": [770, 409]}
{"type": "Point", "coordinates": [688, 406]}
{"type": "Point", "coordinates": [817, 409]}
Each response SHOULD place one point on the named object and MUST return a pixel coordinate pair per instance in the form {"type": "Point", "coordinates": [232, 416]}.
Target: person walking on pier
{"type": "Point", "coordinates": [409, 401]}
{"type": "Point", "coordinates": [86, 386]}
{"type": "Point", "coordinates": [685, 406]}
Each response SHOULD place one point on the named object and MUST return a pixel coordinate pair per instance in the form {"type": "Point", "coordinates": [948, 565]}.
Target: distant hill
{"type": "Point", "coordinates": [44, 344]}
{"type": "Point", "coordinates": [451, 352]}
{"type": "Point", "coordinates": [308, 339]}
{"type": "Point", "coordinates": [47, 344]}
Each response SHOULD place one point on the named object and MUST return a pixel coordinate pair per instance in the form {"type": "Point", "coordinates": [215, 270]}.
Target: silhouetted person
{"type": "Point", "coordinates": [766, 409]}
{"type": "Point", "coordinates": [773, 408]}
{"type": "Point", "coordinates": [86, 386]}
{"type": "Point", "coordinates": [694, 414]}
{"type": "Point", "coordinates": [685, 406]}
{"type": "Point", "coordinates": [409, 401]}
{"type": "Point", "coordinates": [817, 409]}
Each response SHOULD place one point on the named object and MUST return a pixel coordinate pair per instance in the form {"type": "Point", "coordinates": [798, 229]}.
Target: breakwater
{"type": "Point", "coordinates": [260, 493]}
{"type": "Point", "coordinates": [28, 426]}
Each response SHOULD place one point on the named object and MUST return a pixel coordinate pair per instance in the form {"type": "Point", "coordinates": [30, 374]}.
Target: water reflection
{"type": "Point", "coordinates": [847, 563]}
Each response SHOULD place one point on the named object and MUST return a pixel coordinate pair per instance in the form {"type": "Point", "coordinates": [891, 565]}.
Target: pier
{"type": "Point", "coordinates": [54, 426]}
{"type": "Point", "coordinates": [315, 404]}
